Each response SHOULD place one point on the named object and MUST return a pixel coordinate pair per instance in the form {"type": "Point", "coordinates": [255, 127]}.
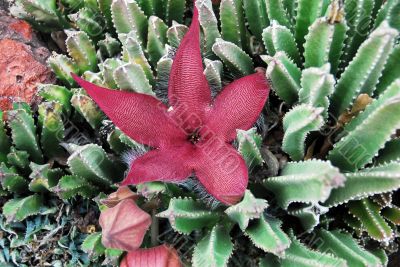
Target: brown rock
{"type": "Point", "coordinates": [22, 62]}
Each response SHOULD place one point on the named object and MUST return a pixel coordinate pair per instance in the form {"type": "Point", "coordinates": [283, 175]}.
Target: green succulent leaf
{"type": "Point", "coordinates": [18, 159]}
{"type": "Point", "coordinates": [23, 133]}
{"type": "Point", "coordinates": [276, 11]}
{"type": "Point", "coordinates": [105, 8]}
{"type": "Point", "coordinates": [389, 12]}
{"type": "Point", "coordinates": [72, 185]}
{"type": "Point", "coordinates": [249, 147]}
{"type": "Point", "coordinates": [56, 93]}
{"type": "Point", "coordinates": [11, 180]}
{"type": "Point", "coordinates": [92, 245]}
{"type": "Point", "coordinates": [237, 61]}
{"type": "Point", "coordinates": [358, 17]}
{"type": "Point", "coordinates": [87, 108]}
{"type": "Point", "coordinates": [297, 124]}
{"type": "Point", "coordinates": [368, 132]}
{"type": "Point", "coordinates": [279, 38]}
{"type": "Point", "coordinates": [368, 212]}
{"type": "Point", "coordinates": [266, 234]}
{"type": "Point", "coordinates": [43, 177]}
{"type": "Point", "coordinates": [307, 12]}
{"type": "Point", "coordinates": [248, 209]}
{"type": "Point", "coordinates": [93, 164]}
{"type": "Point", "coordinates": [63, 66]}
{"type": "Point", "coordinates": [309, 215]}
{"type": "Point", "coordinates": [209, 24]}
{"type": "Point", "coordinates": [109, 46]}
{"type": "Point", "coordinates": [324, 41]}
{"type": "Point", "coordinates": [391, 214]}
{"type": "Point", "coordinates": [390, 73]}
{"type": "Point", "coordinates": [256, 15]}
{"type": "Point", "coordinates": [284, 76]}
{"type": "Point", "coordinates": [233, 27]}
{"type": "Point", "coordinates": [127, 16]}
{"type": "Point", "coordinates": [301, 256]}
{"type": "Point", "coordinates": [343, 246]}
{"type": "Point", "coordinates": [306, 182]}
{"type": "Point", "coordinates": [5, 143]}
{"type": "Point", "coordinates": [186, 215]}
{"type": "Point", "coordinates": [81, 50]}
{"type": "Point", "coordinates": [214, 249]}
{"type": "Point", "coordinates": [133, 53]}
{"type": "Point", "coordinates": [19, 209]}
{"type": "Point", "coordinates": [52, 128]}
{"type": "Point", "coordinates": [131, 77]}
{"type": "Point", "coordinates": [163, 69]}
{"type": "Point", "coordinates": [363, 72]}
{"type": "Point", "coordinates": [176, 33]}
{"type": "Point", "coordinates": [90, 21]}
{"type": "Point", "coordinates": [317, 84]}
{"type": "Point", "coordinates": [174, 10]}
{"type": "Point", "coordinates": [368, 182]}
{"type": "Point", "coordinates": [157, 38]}
{"type": "Point", "coordinates": [213, 73]}
{"type": "Point", "coordinates": [108, 68]}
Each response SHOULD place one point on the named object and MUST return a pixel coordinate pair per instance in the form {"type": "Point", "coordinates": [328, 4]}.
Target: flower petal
{"type": "Point", "coordinates": [221, 170]}
{"type": "Point", "coordinates": [238, 106]}
{"type": "Point", "coordinates": [120, 195]}
{"type": "Point", "coordinates": [124, 226]}
{"type": "Point", "coordinates": [188, 91]}
{"type": "Point", "coordinates": [168, 165]}
{"type": "Point", "coordinates": [141, 117]}
{"type": "Point", "coordinates": [161, 256]}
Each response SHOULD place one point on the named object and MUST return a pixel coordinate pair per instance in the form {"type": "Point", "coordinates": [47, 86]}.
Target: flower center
{"type": "Point", "coordinates": [194, 137]}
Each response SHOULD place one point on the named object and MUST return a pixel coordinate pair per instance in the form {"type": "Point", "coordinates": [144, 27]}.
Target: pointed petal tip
{"type": "Point", "coordinates": [231, 200]}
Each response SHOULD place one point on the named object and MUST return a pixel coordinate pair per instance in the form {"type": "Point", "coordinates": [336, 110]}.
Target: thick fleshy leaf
{"type": "Point", "coordinates": [188, 90]}
{"type": "Point", "coordinates": [221, 170]}
{"type": "Point", "coordinates": [238, 106]}
{"type": "Point", "coordinates": [124, 226]}
{"type": "Point", "coordinates": [161, 256]}
{"type": "Point", "coordinates": [172, 164]}
{"type": "Point", "coordinates": [141, 117]}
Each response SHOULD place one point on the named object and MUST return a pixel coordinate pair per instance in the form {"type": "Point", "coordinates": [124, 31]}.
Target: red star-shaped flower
{"type": "Point", "coordinates": [161, 256]}
{"type": "Point", "coordinates": [194, 134]}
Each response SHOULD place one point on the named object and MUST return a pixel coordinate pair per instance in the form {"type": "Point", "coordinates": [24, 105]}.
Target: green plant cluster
{"type": "Point", "coordinates": [334, 115]}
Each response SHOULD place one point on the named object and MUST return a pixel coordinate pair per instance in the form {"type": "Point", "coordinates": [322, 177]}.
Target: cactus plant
{"type": "Point", "coordinates": [332, 67]}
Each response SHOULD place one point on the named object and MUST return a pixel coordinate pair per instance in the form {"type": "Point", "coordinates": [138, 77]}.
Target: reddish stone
{"type": "Point", "coordinates": [23, 28]}
{"type": "Point", "coordinates": [20, 72]}
{"type": "Point", "coordinates": [22, 61]}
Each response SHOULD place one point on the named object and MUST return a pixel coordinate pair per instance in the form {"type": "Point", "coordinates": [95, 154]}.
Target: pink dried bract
{"type": "Point", "coordinates": [194, 134]}
{"type": "Point", "coordinates": [124, 226]}
{"type": "Point", "coordinates": [161, 256]}
{"type": "Point", "coordinates": [121, 194]}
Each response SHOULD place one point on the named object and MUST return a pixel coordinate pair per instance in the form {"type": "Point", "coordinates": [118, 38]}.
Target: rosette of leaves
{"type": "Point", "coordinates": [333, 68]}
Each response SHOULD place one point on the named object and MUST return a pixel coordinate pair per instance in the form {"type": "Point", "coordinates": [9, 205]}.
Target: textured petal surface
{"type": "Point", "coordinates": [141, 117]}
{"type": "Point", "coordinates": [124, 226]}
{"type": "Point", "coordinates": [221, 170]}
{"type": "Point", "coordinates": [120, 195]}
{"type": "Point", "coordinates": [168, 165]}
{"type": "Point", "coordinates": [188, 91]}
{"type": "Point", "coordinates": [238, 106]}
{"type": "Point", "coordinates": [161, 256]}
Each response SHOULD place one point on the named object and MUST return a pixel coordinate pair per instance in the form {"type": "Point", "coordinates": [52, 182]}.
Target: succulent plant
{"type": "Point", "coordinates": [333, 70]}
